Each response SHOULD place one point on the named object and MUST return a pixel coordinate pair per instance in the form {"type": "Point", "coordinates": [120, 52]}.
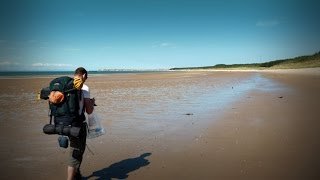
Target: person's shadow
{"type": "Point", "coordinates": [121, 169]}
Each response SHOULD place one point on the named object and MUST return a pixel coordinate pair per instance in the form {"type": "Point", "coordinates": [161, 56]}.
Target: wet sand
{"type": "Point", "coordinates": [175, 125]}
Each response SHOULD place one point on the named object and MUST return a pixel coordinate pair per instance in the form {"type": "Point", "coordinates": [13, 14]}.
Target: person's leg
{"type": "Point", "coordinates": [71, 172]}
{"type": "Point", "coordinates": [82, 145]}
{"type": "Point", "coordinates": [77, 148]}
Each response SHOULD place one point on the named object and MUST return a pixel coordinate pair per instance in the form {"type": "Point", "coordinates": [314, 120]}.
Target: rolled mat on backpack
{"type": "Point", "coordinates": [62, 130]}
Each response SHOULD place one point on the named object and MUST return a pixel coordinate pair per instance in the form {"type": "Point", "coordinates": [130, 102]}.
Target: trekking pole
{"type": "Point", "coordinates": [89, 149]}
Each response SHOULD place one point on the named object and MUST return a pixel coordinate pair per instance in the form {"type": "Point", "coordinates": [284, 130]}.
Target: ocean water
{"type": "Point", "coordinates": [58, 73]}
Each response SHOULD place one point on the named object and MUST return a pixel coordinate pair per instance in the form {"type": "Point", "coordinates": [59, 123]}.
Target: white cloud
{"type": "Point", "coordinates": [8, 63]}
{"type": "Point", "coordinates": [51, 65]}
{"type": "Point", "coordinates": [268, 23]}
{"type": "Point", "coordinates": [164, 45]}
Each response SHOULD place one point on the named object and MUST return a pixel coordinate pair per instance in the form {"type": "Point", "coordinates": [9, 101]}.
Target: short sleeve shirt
{"type": "Point", "coordinates": [85, 94]}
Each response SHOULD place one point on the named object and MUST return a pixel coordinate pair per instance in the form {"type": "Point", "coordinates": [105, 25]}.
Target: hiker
{"type": "Point", "coordinates": [78, 144]}
{"type": "Point", "coordinates": [69, 99]}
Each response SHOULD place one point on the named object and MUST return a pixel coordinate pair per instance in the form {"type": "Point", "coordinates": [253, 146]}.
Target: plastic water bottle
{"type": "Point", "coordinates": [95, 129]}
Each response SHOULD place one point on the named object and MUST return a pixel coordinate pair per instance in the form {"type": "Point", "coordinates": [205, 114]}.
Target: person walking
{"type": "Point", "coordinates": [78, 144]}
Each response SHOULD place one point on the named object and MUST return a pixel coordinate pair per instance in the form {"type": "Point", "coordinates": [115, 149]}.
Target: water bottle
{"type": "Point", "coordinates": [95, 129]}
{"type": "Point", "coordinates": [63, 141]}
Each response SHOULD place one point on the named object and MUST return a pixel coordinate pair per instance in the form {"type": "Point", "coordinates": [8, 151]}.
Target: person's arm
{"type": "Point", "coordinates": [88, 103]}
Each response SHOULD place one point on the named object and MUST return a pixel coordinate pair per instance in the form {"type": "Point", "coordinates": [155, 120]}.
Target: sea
{"type": "Point", "coordinates": [68, 73]}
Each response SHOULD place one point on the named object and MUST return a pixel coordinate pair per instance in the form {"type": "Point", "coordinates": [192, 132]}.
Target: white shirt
{"type": "Point", "coordinates": [85, 93]}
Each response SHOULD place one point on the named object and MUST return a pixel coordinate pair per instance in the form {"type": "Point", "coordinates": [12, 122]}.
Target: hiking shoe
{"type": "Point", "coordinates": [78, 176]}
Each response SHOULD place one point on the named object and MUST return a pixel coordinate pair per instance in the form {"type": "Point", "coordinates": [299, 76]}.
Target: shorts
{"type": "Point", "coordinates": [77, 147]}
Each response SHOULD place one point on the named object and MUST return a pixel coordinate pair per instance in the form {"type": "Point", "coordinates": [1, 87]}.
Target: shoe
{"type": "Point", "coordinates": [78, 176]}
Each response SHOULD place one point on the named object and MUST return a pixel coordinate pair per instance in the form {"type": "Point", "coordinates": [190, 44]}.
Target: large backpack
{"type": "Point", "coordinates": [63, 102]}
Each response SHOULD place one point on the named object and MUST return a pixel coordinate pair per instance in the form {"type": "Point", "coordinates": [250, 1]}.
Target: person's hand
{"type": "Point", "coordinates": [93, 102]}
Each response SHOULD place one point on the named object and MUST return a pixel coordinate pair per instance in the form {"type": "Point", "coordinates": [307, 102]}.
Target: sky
{"type": "Point", "coordinates": [153, 34]}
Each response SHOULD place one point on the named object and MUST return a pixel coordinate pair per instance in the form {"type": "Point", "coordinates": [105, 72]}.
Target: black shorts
{"type": "Point", "coordinates": [77, 147]}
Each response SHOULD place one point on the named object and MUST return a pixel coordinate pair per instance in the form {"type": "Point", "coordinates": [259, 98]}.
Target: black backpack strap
{"type": "Point", "coordinates": [69, 86]}
{"type": "Point", "coordinates": [50, 113]}
{"type": "Point", "coordinates": [50, 119]}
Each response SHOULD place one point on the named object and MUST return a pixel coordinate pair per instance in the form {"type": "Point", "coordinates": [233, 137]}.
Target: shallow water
{"type": "Point", "coordinates": [173, 104]}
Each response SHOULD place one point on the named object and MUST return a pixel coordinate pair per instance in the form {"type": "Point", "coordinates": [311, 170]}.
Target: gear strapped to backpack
{"type": "Point", "coordinates": [63, 107]}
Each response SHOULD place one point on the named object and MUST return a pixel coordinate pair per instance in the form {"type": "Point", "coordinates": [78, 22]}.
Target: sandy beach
{"type": "Point", "coordinates": [174, 125]}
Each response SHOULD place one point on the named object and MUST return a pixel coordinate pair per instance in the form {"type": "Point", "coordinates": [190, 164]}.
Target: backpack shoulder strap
{"type": "Point", "coordinates": [69, 86]}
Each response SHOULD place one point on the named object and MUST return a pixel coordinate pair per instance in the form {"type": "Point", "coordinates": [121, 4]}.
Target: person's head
{"type": "Point", "coordinates": [80, 76]}
{"type": "Point", "coordinates": [81, 73]}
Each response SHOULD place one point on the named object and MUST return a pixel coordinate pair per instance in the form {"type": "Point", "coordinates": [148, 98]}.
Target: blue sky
{"type": "Point", "coordinates": [153, 34]}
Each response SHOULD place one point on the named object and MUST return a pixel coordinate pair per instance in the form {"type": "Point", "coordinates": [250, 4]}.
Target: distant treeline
{"type": "Point", "coordinates": [297, 62]}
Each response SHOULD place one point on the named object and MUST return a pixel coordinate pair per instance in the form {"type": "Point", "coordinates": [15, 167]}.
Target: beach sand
{"type": "Point", "coordinates": [174, 125]}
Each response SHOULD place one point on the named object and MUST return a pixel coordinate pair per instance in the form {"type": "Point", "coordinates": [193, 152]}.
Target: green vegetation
{"type": "Point", "coordinates": [310, 61]}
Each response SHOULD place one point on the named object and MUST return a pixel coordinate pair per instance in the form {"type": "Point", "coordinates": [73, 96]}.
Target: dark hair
{"type": "Point", "coordinates": [80, 71]}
